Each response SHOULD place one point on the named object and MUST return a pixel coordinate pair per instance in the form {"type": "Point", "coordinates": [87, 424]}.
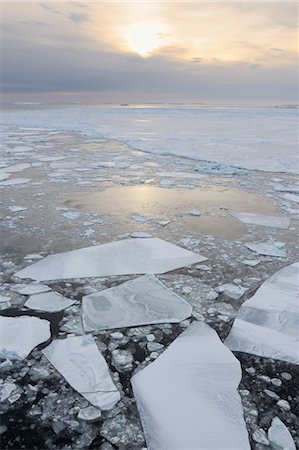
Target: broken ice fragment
{"type": "Point", "coordinates": [142, 301]}
{"type": "Point", "coordinates": [14, 181]}
{"type": "Point", "coordinates": [188, 398]}
{"type": "Point", "coordinates": [251, 262]}
{"type": "Point", "coordinates": [129, 256]}
{"type": "Point", "coordinates": [140, 234]}
{"type": "Point", "coordinates": [262, 220]}
{"type": "Point", "coordinates": [17, 208]}
{"type": "Point", "coordinates": [194, 212]}
{"type": "Point", "coordinates": [267, 324]}
{"type": "Point", "coordinates": [30, 289]}
{"type": "Point", "coordinates": [19, 335]}
{"type": "Point", "coordinates": [80, 362]}
{"type": "Point", "coordinates": [292, 197]}
{"type": "Point", "coordinates": [267, 248]}
{"type": "Point", "coordinates": [231, 290]}
{"type": "Point", "coordinates": [279, 436]}
{"type": "Point", "coordinates": [49, 302]}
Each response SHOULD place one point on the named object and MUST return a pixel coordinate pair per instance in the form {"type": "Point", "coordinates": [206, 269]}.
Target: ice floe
{"type": "Point", "coordinates": [17, 167]}
{"type": "Point", "coordinates": [279, 436]}
{"type": "Point", "coordinates": [231, 290]}
{"type": "Point", "coordinates": [268, 248]}
{"type": "Point", "coordinates": [291, 197]}
{"type": "Point", "coordinates": [14, 181]}
{"type": "Point", "coordinates": [19, 335]}
{"type": "Point", "coordinates": [262, 220]}
{"type": "Point", "coordinates": [49, 302]}
{"type": "Point", "coordinates": [129, 256]}
{"type": "Point", "coordinates": [267, 324]}
{"type": "Point", "coordinates": [80, 362]}
{"type": "Point", "coordinates": [188, 397]}
{"type": "Point", "coordinates": [30, 289]}
{"type": "Point", "coordinates": [17, 208]}
{"type": "Point", "coordinates": [144, 300]}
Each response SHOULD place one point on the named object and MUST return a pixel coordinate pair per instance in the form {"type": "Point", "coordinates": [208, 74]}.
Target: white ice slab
{"type": "Point", "coordinates": [262, 220]}
{"type": "Point", "coordinates": [279, 436]}
{"type": "Point", "coordinates": [188, 398]}
{"type": "Point", "coordinates": [144, 300]}
{"type": "Point", "coordinates": [30, 289]}
{"type": "Point", "coordinates": [19, 335]}
{"type": "Point", "coordinates": [14, 181]}
{"type": "Point", "coordinates": [267, 248]}
{"type": "Point", "coordinates": [49, 302]}
{"type": "Point", "coordinates": [129, 256]}
{"type": "Point", "coordinates": [15, 208]}
{"type": "Point", "coordinates": [231, 290]}
{"type": "Point", "coordinates": [292, 197]}
{"type": "Point", "coordinates": [267, 324]}
{"type": "Point", "coordinates": [4, 176]}
{"type": "Point", "coordinates": [80, 362]}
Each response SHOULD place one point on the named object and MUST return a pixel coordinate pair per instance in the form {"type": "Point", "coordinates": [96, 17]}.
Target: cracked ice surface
{"type": "Point", "coordinates": [49, 302]}
{"type": "Point", "coordinates": [267, 324]}
{"type": "Point", "coordinates": [19, 335]}
{"type": "Point", "coordinates": [198, 373]}
{"type": "Point", "coordinates": [142, 301]}
{"type": "Point", "coordinates": [130, 256]}
{"type": "Point", "coordinates": [80, 362]}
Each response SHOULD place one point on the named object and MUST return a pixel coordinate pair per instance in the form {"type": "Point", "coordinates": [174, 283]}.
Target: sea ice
{"type": "Point", "coordinates": [292, 197]}
{"type": "Point", "coordinates": [19, 335]}
{"type": "Point", "coordinates": [80, 362]}
{"type": "Point", "coordinates": [267, 324]}
{"type": "Point", "coordinates": [128, 256]}
{"type": "Point", "coordinates": [49, 302]}
{"type": "Point", "coordinates": [17, 167]}
{"type": "Point", "coordinates": [251, 262]}
{"type": "Point", "coordinates": [30, 289]}
{"type": "Point", "coordinates": [14, 181]}
{"type": "Point", "coordinates": [231, 290]}
{"type": "Point", "coordinates": [187, 398]}
{"type": "Point", "coordinates": [4, 176]}
{"type": "Point", "coordinates": [17, 208]}
{"type": "Point", "coordinates": [279, 436]}
{"type": "Point", "coordinates": [142, 301]}
{"type": "Point", "coordinates": [194, 212]}
{"type": "Point", "coordinates": [267, 248]}
{"type": "Point", "coordinates": [262, 220]}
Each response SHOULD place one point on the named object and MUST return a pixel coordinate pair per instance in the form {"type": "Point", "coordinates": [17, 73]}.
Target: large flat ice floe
{"type": "Point", "coordinates": [267, 248]}
{"type": "Point", "coordinates": [80, 362]}
{"type": "Point", "coordinates": [49, 302]}
{"type": "Point", "coordinates": [262, 220]}
{"type": "Point", "coordinates": [19, 335]}
{"type": "Point", "coordinates": [267, 324]}
{"type": "Point", "coordinates": [130, 256]}
{"type": "Point", "coordinates": [188, 398]}
{"type": "Point", "coordinates": [142, 301]}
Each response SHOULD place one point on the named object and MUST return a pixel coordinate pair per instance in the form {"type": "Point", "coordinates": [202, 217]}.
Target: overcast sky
{"type": "Point", "coordinates": [139, 51]}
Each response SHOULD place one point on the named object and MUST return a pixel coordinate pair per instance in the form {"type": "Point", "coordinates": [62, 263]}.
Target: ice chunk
{"type": "Point", "coordinates": [4, 176]}
{"type": "Point", "coordinates": [17, 167]}
{"type": "Point", "coordinates": [267, 324]}
{"type": "Point", "coordinates": [129, 256]}
{"type": "Point", "coordinates": [142, 301]}
{"type": "Point", "coordinates": [188, 398]}
{"type": "Point", "coordinates": [49, 302]}
{"type": "Point", "coordinates": [17, 208]}
{"type": "Point", "coordinates": [267, 248]}
{"type": "Point", "coordinates": [80, 362]}
{"type": "Point", "coordinates": [30, 289]}
{"type": "Point", "coordinates": [292, 197]}
{"type": "Point", "coordinates": [279, 436]}
{"type": "Point", "coordinates": [262, 220]}
{"type": "Point", "coordinates": [231, 290]}
{"type": "Point", "coordinates": [14, 181]}
{"type": "Point", "coordinates": [140, 234]}
{"type": "Point", "coordinates": [251, 262]}
{"type": "Point", "coordinates": [194, 212]}
{"type": "Point", "coordinates": [19, 335]}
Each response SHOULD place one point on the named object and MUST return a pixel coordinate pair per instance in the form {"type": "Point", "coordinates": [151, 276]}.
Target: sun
{"type": "Point", "coordinates": [143, 38]}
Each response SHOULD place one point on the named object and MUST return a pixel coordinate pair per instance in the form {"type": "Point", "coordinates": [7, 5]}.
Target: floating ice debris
{"type": "Point", "coordinates": [142, 301]}
{"type": "Point", "coordinates": [231, 290]}
{"type": "Point", "coordinates": [194, 212]}
{"type": "Point", "coordinates": [268, 248]}
{"type": "Point", "coordinates": [80, 362]}
{"type": "Point", "coordinates": [179, 175]}
{"type": "Point", "coordinates": [19, 335]}
{"type": "Point", "coordinates": [262, 220]}
{"type": "Point", "coordinates": [49, 302]}
{"type": "Point", "coordinates": [64, 165]}
{"type": "Point", "coordinates": [112, 165]}
{"type": "Point", "coordinates": [30, 289]}
{"type": "Point", "coordinates": [129, 256]}
{"type": "Point", "coordinates": [140, 234]}
{"type": "Point", "coordinates": [4, 176]}
{"type": "Point", "coordinates": [89, 414]}
{"type": "Point", "coordinates": [267, 324]}
{"type": "Point", "coordinates": [251, 262]}
{"type": "Point", "coordinates": [193, 384]}
{"type": "Point", "coordinates": [17, 208]}
{"type": "Point", "coordinates": [291, 197]}
{"type": "Point", "coordinates": [17, 167]}
{"type": "Point", "coordinates": [279, 436]}
{"type": "Point", "coordinates": [162, 223]}
{"type": "Point", "coordinates": [14, 181]}
{"type": "Point", "coordinates": [32, 256]}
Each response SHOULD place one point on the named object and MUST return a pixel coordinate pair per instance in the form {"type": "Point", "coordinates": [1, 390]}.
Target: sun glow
{"type": "Point", "coordinates": [143, 38]}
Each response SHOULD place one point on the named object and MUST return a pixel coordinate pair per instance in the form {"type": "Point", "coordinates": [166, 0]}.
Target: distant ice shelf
{"type": "Point", "coordinates": [267, 324]}
{"type": "Point", "coordinates": [188, 398]}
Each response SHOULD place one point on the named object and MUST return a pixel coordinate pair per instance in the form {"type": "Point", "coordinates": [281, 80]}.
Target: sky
{"type": "Point", "coordinates": [170, 51]}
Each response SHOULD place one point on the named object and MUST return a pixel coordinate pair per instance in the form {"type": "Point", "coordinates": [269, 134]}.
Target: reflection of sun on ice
{"type": "Point", "coordinates": [143, 38]}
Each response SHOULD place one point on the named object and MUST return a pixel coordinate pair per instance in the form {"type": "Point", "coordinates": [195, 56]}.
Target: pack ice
{"type": "Point", "coordinates": [129, 256]}
{"type": "Point", "coordinates": [188, 399]}
{"type": "Point", "coordinates": [267, 324]}
{"type": "Point", "coordinates": [19, 335]}
{"type": "Point", "coordinates": [80, 362]}
{"type": "Point", "coordinates": [144, 300]}
{"type": "Point", "coordinates": [262, 220]}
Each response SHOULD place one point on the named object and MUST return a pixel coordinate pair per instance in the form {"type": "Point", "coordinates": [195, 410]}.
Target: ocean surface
{"type": "Point", "coordinates": [253, 138]}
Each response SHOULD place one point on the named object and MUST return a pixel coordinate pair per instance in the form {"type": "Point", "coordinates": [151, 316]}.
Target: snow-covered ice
{"type": "Point", "coordinates": [80, 362]}
{"type": "Point", "coordinates": [262, 220]}
{"type": "Point", "coordinates": [188, 398]}
{"type": "Point", "coordinates": [19, 335]}
{"type": "Point", "coordinates": [267, 248]}
{"type": "Point", "coordinates": [267, 324]}
{"type": "Point", "coordinates": [144, 300]}
{"type": "Point", "coordinates": [129, 256]}
{"type": "Point", "coordinates": [49, 302]}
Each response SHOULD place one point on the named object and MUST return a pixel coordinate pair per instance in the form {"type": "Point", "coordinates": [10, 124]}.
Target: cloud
{"type": "Point", "coordinates": [255, 66]}
{"type": "Point", "coordinates": [78, 18]}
